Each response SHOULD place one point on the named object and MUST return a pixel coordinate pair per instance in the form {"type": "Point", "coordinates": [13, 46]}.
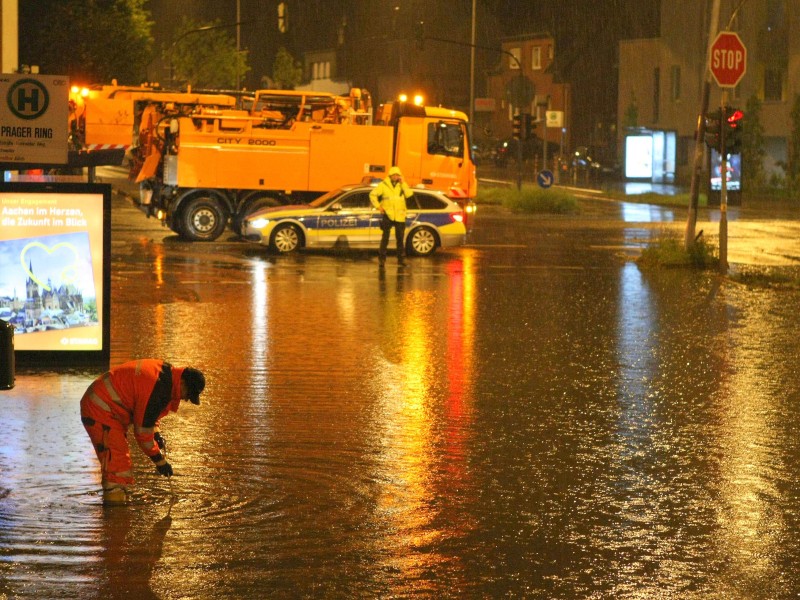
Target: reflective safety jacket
{"type": "Point", "coordinates": [139, 393]}
{"type": "Point", "coordinates": [391, 198]}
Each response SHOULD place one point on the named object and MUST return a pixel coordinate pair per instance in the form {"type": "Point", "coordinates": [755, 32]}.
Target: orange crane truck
{"type": "Point", "coordinates": [202, 171]}
{"type": "Point", "coordinates": [101, 118]}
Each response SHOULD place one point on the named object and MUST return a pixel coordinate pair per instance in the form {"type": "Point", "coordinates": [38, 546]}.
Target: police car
{"type": "Point", "coordinates": [345, 217]}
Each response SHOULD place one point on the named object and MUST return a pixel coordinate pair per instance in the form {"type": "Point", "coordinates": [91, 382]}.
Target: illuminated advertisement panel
{"type": "Point", "coordinates": [54, 270]}
{"type": "Point", "coordinates": [733, 167]}
{"type": "Point", "coordinates": [639, 156]}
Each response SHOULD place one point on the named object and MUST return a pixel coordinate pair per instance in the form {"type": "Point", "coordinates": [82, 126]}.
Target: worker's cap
{"type": "Point", "coordinates": [395, 171]}
{"type": "Point", "coordinates": [195, 383]}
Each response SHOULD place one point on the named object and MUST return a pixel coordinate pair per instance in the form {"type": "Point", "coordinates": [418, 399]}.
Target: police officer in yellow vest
{"type": "Point", "coordinates": [389, 197]}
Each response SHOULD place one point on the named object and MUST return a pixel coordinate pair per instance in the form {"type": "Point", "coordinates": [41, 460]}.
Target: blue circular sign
{"type": "Point", "coordinates": [545, 178]}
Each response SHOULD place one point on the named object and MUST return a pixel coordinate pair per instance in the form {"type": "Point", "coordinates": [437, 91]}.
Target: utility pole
{"type": "Point", "coordinates": [472, 71]}
{"type": "Point", "coordinates": [238, 43]}
{"type": "Point", "coordinates": [694, 190]}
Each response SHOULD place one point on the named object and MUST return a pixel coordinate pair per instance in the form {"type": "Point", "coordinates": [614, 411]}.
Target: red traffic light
{"type": "Point", "coordinates": [734, 115]}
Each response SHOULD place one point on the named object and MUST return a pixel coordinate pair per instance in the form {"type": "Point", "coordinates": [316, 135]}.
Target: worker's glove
{"type": "Point", "coordinates": [162, 443]}
{"type": "Point", "coordinates": [165, 469]}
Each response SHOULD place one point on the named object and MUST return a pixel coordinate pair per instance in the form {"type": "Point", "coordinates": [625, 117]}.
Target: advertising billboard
{"type": "Point", "coordinates": [733, 179]}
{"type": "Point", "coordinates": [639, 156]}
{"type": "Point", "coordinates": [54, 270]}
{"type": "Point", "coordinates": [733, 167]}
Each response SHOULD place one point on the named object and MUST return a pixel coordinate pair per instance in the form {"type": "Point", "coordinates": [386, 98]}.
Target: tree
{"type": "Point", "coordinates": [91, 41]}
{"type": "Point", "coordinates": [205, 56]}
{"type": "Point", "coordinates": [631, 118]}
{"type": "Point", "coordinates": [793, 159]}
{"type": "Point", "coordinates": [286, 72]}
{"type": "Point", "coordinates": [753, 152]}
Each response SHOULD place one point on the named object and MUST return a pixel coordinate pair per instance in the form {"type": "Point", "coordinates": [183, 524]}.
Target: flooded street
{"type": "Point", "coordinates": [529, 416]}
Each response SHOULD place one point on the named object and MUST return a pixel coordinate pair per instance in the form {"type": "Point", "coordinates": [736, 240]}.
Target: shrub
{"type": "Point", "coordinates": [530, 199]}
{"type": "Point", "coordinates": [668, 251]}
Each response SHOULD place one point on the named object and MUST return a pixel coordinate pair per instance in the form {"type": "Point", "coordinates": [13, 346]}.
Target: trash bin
{"type": "Point", "coordinates": [6, 355]}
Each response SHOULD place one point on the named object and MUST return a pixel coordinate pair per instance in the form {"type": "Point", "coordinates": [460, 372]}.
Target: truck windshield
{"type": "Point", "coordinates": [446, 138]}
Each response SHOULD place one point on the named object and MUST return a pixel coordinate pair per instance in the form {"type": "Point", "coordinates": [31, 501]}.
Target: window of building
{"type": "Point", "coordinates": [513, 60]}
{"type": "Point", "coordinates": [321, 70]}
{"type": "Point", "coordinates": [656, 92]}
{"type": "Point", "coordinates": [776, 14]}
{"type": "Point", "coordinates": [536, 57]}
{"type": "Point", "coordinates": [773, 85]}
{"type": "Point", "coordinates": [675, 82]}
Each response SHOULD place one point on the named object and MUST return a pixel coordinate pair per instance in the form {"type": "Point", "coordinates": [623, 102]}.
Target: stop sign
{"type": "Point", "coordinates": [728, 59]}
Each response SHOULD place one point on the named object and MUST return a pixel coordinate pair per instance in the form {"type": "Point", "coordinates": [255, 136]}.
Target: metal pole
{"type": "Point", "coordinates": [723, 193]}
{"type": "Point", "coordinates": [544, 145]}
{"type": "Point", "coordinates": [691, 221]}
{"type": "Point", "coordinates": [238, 42]}
{"type": "Point", "coordinates": [519, 157]}
{"type": "Point", "coordinates": [472, 70]}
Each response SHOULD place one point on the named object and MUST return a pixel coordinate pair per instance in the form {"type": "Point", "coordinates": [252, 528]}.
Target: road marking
{"type": "Point", "coordinates": [495, 246]}
{"type": "Point", "coordinates": [539, 267]}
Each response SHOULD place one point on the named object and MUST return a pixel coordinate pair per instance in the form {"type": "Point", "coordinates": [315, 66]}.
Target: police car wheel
{"type": "Point", "coordinates": [421, 241]}
{"type": "Point", "coordinates": [286, 238]}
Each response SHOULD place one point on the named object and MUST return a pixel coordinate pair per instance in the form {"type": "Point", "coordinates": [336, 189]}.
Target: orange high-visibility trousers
{"type": "Point", "coordinates": [110, 442]}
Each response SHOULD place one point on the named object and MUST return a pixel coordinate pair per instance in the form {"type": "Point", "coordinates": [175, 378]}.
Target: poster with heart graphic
{"type": "Point", "coordinates": [53, 257]}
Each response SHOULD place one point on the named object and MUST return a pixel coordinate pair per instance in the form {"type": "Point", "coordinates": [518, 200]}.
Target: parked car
{"type": "Point", "coordinates": [506, 150]}
{"type": "Point", "coordinates": [346, 217]}
{"type": "Point", "coordinates": [586, 167]}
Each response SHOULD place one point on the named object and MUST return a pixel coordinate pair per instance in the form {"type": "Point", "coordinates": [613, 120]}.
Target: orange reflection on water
{"type": "Point", "coordinates": [751, 529]}
{"type": "Point", "coordinates": [426, 414]}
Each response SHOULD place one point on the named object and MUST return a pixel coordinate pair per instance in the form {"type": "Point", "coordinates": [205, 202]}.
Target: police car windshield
{"type": "Point", "coordinates": [323, 200]}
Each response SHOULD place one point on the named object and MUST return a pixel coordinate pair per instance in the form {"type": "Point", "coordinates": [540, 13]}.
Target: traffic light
{"type": "Point", "coordinates": [527, 126]}
{"type": "Point", "coordinates": [516, 126]}
{"type": "Point", "coordinates": [714, 130]}
{"type": "Point", "coordinates": [734, 119]}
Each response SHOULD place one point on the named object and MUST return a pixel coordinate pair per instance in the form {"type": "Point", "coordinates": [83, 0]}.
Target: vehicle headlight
{"type": "Point", "coordinates": [258, 223]}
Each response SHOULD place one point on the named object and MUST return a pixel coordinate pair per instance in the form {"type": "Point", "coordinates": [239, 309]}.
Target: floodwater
{"type": "Point", "coordinates": [530, 416]}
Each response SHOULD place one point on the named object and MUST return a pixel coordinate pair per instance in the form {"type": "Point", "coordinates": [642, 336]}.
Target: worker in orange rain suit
{"type": "Point", "coordinates": [137, 393]}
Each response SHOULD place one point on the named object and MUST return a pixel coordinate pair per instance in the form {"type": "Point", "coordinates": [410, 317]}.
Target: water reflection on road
{"type": "Point", "coordinates": [528, 416]}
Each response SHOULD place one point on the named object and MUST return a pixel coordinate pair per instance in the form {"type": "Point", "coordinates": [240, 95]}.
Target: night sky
{"type": "Point", "coordinates": [587, 33]}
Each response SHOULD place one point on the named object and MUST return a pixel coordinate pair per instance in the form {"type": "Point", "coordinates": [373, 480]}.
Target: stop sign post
{"type": "Point", "coordinates": [728, 65]}
{"type": "Point", "coordinates": [728, 59]}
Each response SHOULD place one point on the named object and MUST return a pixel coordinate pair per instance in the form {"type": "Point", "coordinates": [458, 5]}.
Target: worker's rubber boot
{"type": "Point", "coordinates": [115, 496]}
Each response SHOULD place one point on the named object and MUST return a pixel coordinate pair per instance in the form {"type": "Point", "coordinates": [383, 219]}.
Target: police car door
{"type": "Point", "coordinates": [346, 220]}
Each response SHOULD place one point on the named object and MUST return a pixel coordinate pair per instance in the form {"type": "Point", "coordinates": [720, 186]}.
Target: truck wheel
{"type": "Point", "coordinates": [286, 238]}
{"type": "Point", "coordinates": [202, 219]}
{"type": "Point", "coordinates": [421, 241]}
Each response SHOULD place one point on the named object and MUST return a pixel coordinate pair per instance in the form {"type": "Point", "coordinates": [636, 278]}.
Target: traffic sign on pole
{"type": "Point", "coordinates": [728, 59]}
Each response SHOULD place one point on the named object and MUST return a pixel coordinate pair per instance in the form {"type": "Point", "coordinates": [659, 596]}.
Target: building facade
{"type": "Point", "coordinates": [661, 79]}
{"type": "Point", "coordinates": [529, 59]}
